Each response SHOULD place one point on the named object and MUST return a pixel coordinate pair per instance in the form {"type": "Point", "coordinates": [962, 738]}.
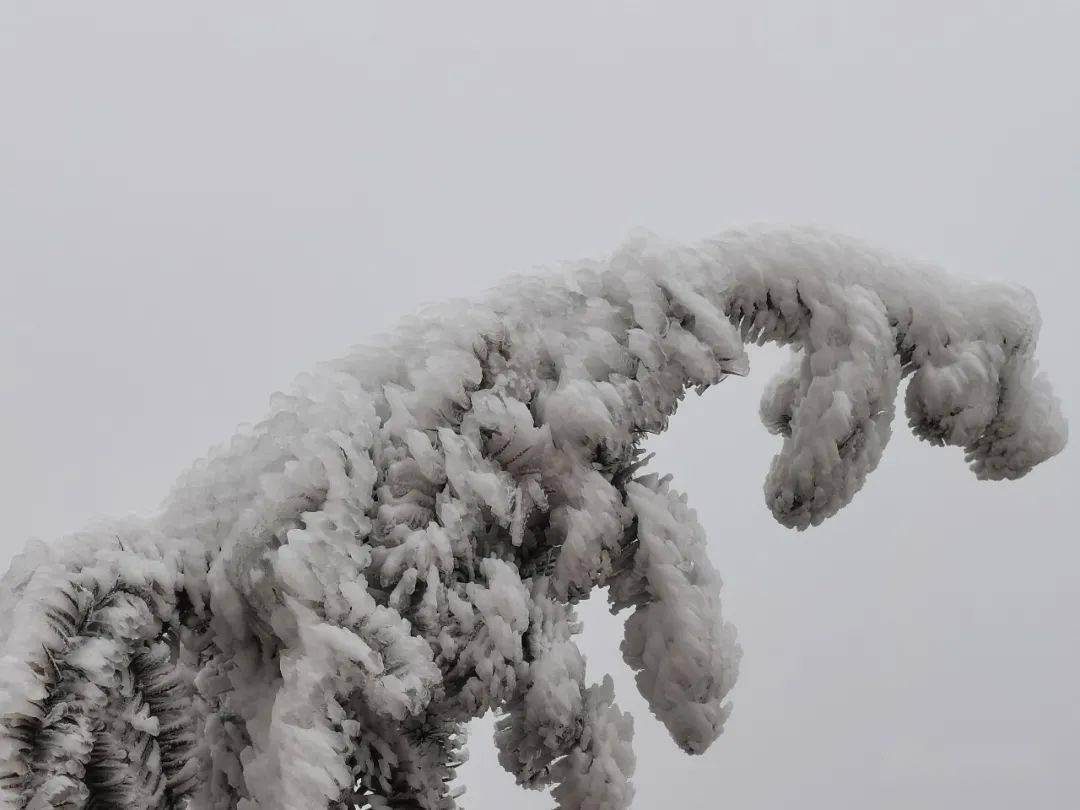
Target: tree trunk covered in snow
{"type": "Point", "coordinates": [322, 604]}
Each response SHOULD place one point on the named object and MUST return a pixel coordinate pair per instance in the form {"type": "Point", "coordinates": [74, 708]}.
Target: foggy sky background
{"type": "Point", "coordinates": [200, 200]}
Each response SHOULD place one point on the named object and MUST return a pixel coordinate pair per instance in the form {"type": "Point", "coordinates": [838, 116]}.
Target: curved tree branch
{"type": "Point", "coordinates": [323, 603]}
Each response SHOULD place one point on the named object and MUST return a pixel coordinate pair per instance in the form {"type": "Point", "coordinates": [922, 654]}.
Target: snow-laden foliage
{"type": "Point", "coordinates": [321, 605]}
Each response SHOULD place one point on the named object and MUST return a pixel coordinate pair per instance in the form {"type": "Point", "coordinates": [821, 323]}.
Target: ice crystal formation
{"type": "Point", "coordinates": [322, 604]}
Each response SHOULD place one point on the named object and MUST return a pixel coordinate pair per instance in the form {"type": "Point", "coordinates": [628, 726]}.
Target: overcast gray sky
{"type": "Point", "coordinates": [199, 200]}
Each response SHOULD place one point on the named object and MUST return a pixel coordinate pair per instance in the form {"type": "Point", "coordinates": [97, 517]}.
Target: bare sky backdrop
{"type": "Point", "coordinates": [199, 200]}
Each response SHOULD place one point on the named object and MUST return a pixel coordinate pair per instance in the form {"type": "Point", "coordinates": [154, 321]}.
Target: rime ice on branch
{"type": "Point", "coordinates": [321, 605]}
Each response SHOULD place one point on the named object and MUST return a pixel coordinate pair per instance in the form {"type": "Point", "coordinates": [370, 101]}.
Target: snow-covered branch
{"type": "Point", "coordinates": [322, 604]}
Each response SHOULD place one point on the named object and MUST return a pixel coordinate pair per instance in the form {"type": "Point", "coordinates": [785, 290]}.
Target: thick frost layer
{"type": "Point", "coordinates": [322, 604]}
